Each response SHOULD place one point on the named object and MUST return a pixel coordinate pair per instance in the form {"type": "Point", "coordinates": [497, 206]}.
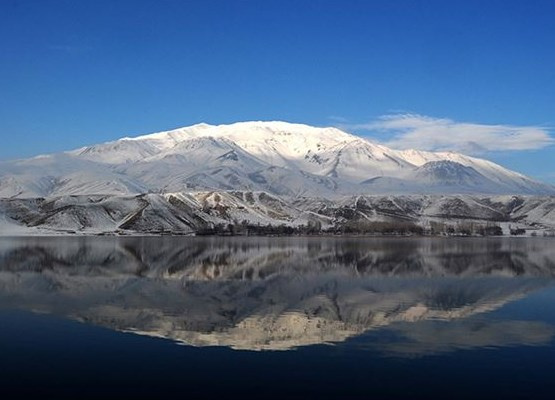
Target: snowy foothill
{"type": "Point", "coordinates": [261, 213]}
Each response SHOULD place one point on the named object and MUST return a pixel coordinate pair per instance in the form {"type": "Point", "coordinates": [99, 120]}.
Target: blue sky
{"type": "Point", "coordinates": [480, 73]}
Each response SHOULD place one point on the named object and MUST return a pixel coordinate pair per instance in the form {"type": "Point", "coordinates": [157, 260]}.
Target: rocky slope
{"type": "Point", "coordinates": [240, 212]}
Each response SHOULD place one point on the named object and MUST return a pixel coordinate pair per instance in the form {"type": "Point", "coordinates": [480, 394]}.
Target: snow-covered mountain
{"type": "Point", "coordinates": [276, 157]}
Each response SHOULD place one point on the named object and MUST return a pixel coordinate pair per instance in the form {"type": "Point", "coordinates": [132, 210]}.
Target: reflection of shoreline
{"type": "Point", "coordinates": [257, 258]}
{"type": "Point", "coordinates": [282, 295]}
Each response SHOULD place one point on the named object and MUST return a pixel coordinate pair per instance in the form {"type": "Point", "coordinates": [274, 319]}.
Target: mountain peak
{"type": "Point", "coordinates": [204, 129]}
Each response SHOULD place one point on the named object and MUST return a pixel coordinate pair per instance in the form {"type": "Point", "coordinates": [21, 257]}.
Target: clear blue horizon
{"type": "Point", "coordinates": [473, 76]}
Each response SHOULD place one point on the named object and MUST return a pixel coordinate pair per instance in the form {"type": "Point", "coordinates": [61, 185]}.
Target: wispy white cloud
{"type": "Point", "coordinates": [416, 131]}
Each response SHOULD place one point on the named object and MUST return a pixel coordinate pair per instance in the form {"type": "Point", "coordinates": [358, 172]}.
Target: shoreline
{"type": "Point", "coordinates": [324, 235]}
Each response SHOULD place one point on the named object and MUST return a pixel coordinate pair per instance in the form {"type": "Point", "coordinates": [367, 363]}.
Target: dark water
{"type": "Point", "coordinates": [277, 318]}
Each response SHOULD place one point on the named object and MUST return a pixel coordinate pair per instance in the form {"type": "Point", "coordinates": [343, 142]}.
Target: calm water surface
{"type": "Point", "coordinates": [277, 318]}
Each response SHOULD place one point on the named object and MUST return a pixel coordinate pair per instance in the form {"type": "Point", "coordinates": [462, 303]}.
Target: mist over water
{"type": "Point", "coordinates": [328, 305]}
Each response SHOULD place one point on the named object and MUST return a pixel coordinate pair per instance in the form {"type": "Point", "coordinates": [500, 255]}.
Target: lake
{"type": "Point", "coordinates": [277, 317]}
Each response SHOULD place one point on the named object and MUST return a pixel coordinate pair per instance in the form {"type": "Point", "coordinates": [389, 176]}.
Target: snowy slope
{"type": "Point", "coordinates": [438, 177]}
{"type": "Point", "coordinates": [513, 182]}
{"type": "Point", "coordinates": [281, 158]}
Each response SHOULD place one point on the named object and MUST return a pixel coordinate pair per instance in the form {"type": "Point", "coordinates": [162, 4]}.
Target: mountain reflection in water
{"type": "Point", "coordinates": [433, 295]}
